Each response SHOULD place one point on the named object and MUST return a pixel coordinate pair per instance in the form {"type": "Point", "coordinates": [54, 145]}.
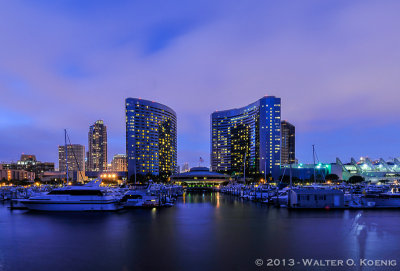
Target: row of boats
{"type": "Point", "coordinates": [93, 197]}
{"type": "Point", "coordinates": [320, 196]}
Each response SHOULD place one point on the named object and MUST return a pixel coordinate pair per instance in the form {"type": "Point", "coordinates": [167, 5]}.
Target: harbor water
{"type": "Point", "coordinates": [209, 231]}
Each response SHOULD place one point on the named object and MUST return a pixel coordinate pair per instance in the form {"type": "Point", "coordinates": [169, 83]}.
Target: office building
{"type": "Point", "coordinates": [288, 151]}
{"type": "Point", "coordinates": [76, 157]}
{"type": "Point", "coordinates": [247, 137]}
{"type": "Point", "coordinates": [151, 138]}
{"type": "Point", "coordinates": [97, 153]}
{"type": "Point", "coordinates": [15, 175]}
{"type": "Point", "coordinates": [119, 163]}
{"type": "Point", "coordinates": [29, 163]}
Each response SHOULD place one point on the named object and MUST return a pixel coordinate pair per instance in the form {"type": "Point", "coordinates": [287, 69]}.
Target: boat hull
{"type": "Point", "coordinates": [382, 202]}
{"type": "Point", "coordinates": [71, 206]}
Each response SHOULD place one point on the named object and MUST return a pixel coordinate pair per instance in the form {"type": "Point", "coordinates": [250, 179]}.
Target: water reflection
{"type": "Point", "coordinates": [204, 231]}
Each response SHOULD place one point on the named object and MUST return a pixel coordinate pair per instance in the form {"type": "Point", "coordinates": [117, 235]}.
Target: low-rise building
{"type": "Point", "coordinates": [16, 175]}
{"type": "Point", "coordinates": [28, 162]}
{"type": "Point", "coordinates": [200, 177]}
{"type": "Point", "coordinates": [53, 176]}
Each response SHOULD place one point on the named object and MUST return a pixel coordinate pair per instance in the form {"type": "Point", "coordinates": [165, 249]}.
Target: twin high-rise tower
{"type": "Point", "coordinates": [249, 137]}
{"type": "Point", "coordinates": [151, 138]}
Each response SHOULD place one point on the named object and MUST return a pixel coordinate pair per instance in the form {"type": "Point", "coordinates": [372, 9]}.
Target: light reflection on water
{"type": "Point", "coordinates": [207, 231]}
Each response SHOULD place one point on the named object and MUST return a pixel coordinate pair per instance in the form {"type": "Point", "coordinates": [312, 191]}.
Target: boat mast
{"type": "Point", "coordinates": [244, 168]}
{"type": "Point", "coordinates": [290, 190]}
{"type": "Point", "coordinates": [135, 171]}
{"type": "Point", "coordinates": [265, 170]}
{"type": "Point", "coordinates": [66, 153]}
{"type": "Point", "coordinates": [313, 152]}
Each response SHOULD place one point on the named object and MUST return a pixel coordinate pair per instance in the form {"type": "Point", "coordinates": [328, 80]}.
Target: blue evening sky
{"type": "Point", "coordinates": [335, 64]}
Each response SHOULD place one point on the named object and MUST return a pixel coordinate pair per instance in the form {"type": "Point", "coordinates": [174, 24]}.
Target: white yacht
{"type": "Point", "coordinates": [89, 197]}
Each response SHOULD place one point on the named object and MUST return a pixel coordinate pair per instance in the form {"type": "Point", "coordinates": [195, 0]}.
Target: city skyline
{"type": "Point", "coordinates": [334, 70]}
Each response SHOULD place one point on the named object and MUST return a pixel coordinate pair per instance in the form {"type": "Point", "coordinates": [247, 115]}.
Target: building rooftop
{"type": "Point", "coordinates": [199, 172]}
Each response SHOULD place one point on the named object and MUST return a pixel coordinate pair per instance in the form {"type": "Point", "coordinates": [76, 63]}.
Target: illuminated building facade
{"type": "Point", "coordinates": [288, 150]}
{"type": "Point", "coordinates": [371, 170]}
{"type": "Point", "coordinates": [15, 175]}
{"type": "Point", "coordinates": [97, 154]}
{"type": "Point", "coordinates": [119, 163]}
{"type": "Point", "coordinates": [76, 157]}
{"type": "Point", "coordinates": [305, 172]}
{"type": "Point", "coordinates": [250, 135]}
{"type": "Point", "coordinates": [151, 138]}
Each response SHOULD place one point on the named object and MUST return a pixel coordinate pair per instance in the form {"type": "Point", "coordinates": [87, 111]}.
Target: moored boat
{"type": "Point", "coordinates": [138, 198]}
{"type": "Point", "coordinates": [90, 197]}
{"type": "Point", "coordinates": [382, 200]}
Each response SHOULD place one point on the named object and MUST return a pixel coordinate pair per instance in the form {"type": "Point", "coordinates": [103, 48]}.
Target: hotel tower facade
{"type": "Point", "coordinates": [249, 136]}
{"type": "Point", "coordinates": [151, 138]}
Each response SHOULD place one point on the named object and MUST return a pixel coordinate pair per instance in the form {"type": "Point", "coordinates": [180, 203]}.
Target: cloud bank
{"type": "Point", "coordinates": [335, 65]}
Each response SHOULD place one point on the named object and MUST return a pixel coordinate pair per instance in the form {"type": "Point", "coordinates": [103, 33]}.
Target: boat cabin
{"type": "Point", "coordinates": [316, 198]}
{"type": "Point", "coordinates": [76, 192]}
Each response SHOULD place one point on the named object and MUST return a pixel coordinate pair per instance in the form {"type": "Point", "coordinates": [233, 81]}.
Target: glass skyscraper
{"type": "Point", "coordinates": [249, 136]}
{"type": "Point", "coordinates": [151, 138]}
